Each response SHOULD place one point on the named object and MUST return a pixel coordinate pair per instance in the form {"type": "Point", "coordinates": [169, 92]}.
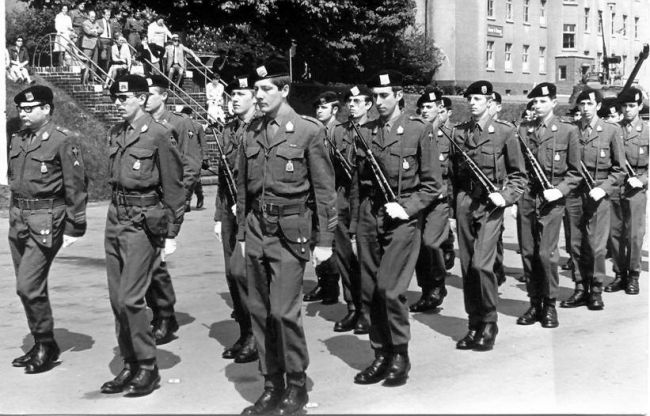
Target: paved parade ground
{"type": "Point", "coordinates": [595, 362]}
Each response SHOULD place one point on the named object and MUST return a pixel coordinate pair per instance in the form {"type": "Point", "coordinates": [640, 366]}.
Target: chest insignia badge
{"type": "Point", "coordinates": [289, 127]}
{"type": "Point", "coordinates": [289, 166]}
{"type": "Point", "coordinates": [441, 157]}
{"type": "Point", "coordinates": [405, 164]}
{"type": "Point", "coordinates": [136, 165]}
{"type": "Point", "coordinates": [45, 136]}
{"type": "Point", "coordinates": [557, 157]}
{"type": "Point", "coordinates": [640, 150]}
{"type": "Point", "coordinates": [491, 129]}
{"type": "Point", "coordinates": [553, 127]}
{"type": "Point", "coordinates": [598, 128]}
{"type": "Point", "coordinates": [400, 130]}
{"type": "Point", "coordinates": [144, 128]}
{"type": "Point", "coordinates": [602, 153]}
{"type": "Point", "coordinates": [43, 167]}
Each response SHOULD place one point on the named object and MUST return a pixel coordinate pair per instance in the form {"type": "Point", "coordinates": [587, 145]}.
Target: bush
{"type": "Point", "coordinates": [32, 24]}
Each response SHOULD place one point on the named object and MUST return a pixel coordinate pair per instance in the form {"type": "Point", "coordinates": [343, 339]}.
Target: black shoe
{"type": "Point", "coordinates": [429, 301]}
{"type": "Point", "coordinates": [549, 314]}
{"type": "Point", "coordinates": [348, 322]}
{"type": "Point", "coordinates": [24, 359]}
{"type": "Point", "coordinates": [164, 330]}
{"type": "Point", "coordinates": [119, 383]}
{"type": "Point", "coordinates": [398, 371]}
{"type": "Point", "coordinates": [199, 201]}
{"type": "Point", "coordinates": [376, 372]}
{"type": "Point", "coordinates": [293, 400]}
{"type": "Point", "coordinates": [315, 294]}
{"type": "Point", "coordinates": [468, 341]}
{"type": "Point", "coordinates": [232, 351]}
{"type": "Point", "coordinates": [632, 286]}
{"type": "Point", "coordinates": [501, 277]}
{"type": "Point", "coordinates": [363, 325]}
{"type": "Point", "coordinates": [532, 315]}
{"type": "Point", "coordinates": [43, 358]}
{"type": "Point", "coordinates": [267, 402]}
{"type": "Point", "coordinates": [617, 284]}
{"type": "Point", "coordinates": [449, 258]}
{"type": "Point", "coordinates": [578, 298]}
{"type": "Point", "coordinates": [595, 301]}
{"type": "Point", "coordinates": [248, 352]}
{"type": "Point", "coordinates": [187, 207]}
{"type": "Point", "coordinates": [487, 337]}
{"type": "Point", "coordinates": [144, 382]}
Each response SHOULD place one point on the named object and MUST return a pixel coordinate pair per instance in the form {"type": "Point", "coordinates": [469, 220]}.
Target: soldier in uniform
{"type": "Point", "coordinates": [225, 225]}
{"type": "Point", "coordinates": [161, 297]}
{"type": "Point", "coordinates": [283, 162]}
{"type": "Point", "coordinates": [588, 206]}
{"type": "Point", "coordinates": [493, 146]}
{"type": "Point", "coordinates": [430, 268]}
{"type": "Point", "coordinates": [554, 144]}
{"type": "Point", "coordinates": [147, 206]}
{"type": "Point", "coordinates": [327, 287]}
{"type": "Point", "coordinates": [628, 213]}
{"type": "Point", "coordinates": [389, 229]}
{"type": "Point", "coordinates": [47, 211]}
{"type": "Point", "coordinates": [199, 131]}
{"type": "Point", "coordinates": [446, 126]}
{"type": "Point", "coordinates": [358, 100]}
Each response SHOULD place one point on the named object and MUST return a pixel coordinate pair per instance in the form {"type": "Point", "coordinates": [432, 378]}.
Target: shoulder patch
{"type": "Point", "coordinates": [63, 130]}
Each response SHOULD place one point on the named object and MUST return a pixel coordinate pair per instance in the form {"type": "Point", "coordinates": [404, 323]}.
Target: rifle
{"type": "Point", "coordinates": [380, 178]}
{"type": "Point", "coordinates": [629, 170]}
{"type": "Point", "coordinates": [229, 177]}
{"type": "Point", "coordinates": [538, 172]}
{"type": "Point", "coordinates": [343, 162]}
{"type": "Point", "coordinates": [584, 172]}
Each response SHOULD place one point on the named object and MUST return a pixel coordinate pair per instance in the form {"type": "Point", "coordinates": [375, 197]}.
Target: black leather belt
{"type": "Point", "coordinates": [135, 200]}
{"type": "Point", "coordinates": [36, 203]}
{"type": "Point", "coordinates": [278, 210]}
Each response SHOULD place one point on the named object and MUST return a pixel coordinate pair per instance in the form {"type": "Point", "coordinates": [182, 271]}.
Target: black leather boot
{"type": "Point", "coordinates": [533, 314]}
{"type": "Point", "coordinates": [24, 359]}
{"type": "Point", "coordinates": [595, 300]}
{"type": "Point", "coordinates": [164, 329]}
{"type": "Point", "coordinates": [619, 283]}
{"type": "Point", "coordinates": [376, 371]}
{"type": "Point", "coordinates": [119, 383]}
{"type": "Point", "coordinates": [248, 351]}
{"type": "Point", "coordinates": [398, 371]}
{"type": "Point", "coordinates": [315, 294]}
{"type": "Point", "coordinates": [43, 358]}
{"type": "Point", "coordinates": [549, 314]}
{"type": "Point", "coordinates": [578, 298]}
{"type": "Point", "coordinates": [469, 340]}
{"type": "Point", "coordinates": [268, 402]}
{"type": "Point", "coordinates": [632, 285]}
{"type": "Point", "coordinates": [144, 382]}
{"type": "Point", "coordinates": [348, 322]}
{"type": "Point", "coordinates": [293, 400]}
{"type": "Point", "coordinates": [487, 337]}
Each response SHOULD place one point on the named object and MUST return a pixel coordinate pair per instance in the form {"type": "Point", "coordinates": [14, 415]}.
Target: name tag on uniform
{"type": "Point", "coordinates": [405, 164]}
{"type": "Point", "coordinates": [43, 167]}
{"type": "Point", "coordinates": [557, 157]}
{"type": "Point", "coordinates": [136, 165]}
{"type": "Point", "coordinates": [289, 167]}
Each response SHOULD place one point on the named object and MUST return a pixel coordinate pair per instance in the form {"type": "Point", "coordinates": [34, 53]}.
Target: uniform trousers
{"type": "Point", "coordinates": [235, 265]}
{"type": "Point", "coordinates": [130, 255]}
{"type": "Point", "coordinates": [32, 260]}
{"type": "Point", "coordinates": [430, 270]}
{"type": "Point", "coordinates": [347, 264]}
{"type": "Point", "coordinates": [479, 227]}
{"type": "Point", "coordinates": [388, 252]}
{"type": "Point", "coordinates": [627, 231]}
{"type": "Point", "coordinates": [540, 224]}
{"type": "Point", "coordinates": [161, 296]}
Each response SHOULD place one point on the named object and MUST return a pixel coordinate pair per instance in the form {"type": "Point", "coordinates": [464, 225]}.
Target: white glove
{"type": "Point", "coordinates": [497, 199]}
{"type": "Point", "coordinates": [552, 194]}
{"type": "Point", "coordinates": [242, 245]}
{"type": "Point", "coordinates": [452, 225]}
{"type": "Point", "coordinates": [170, 246]}
{"type": "Point", "coordinates": [634, 182]}
{"type": "Point", "coordinates": [353, 242]}
{"type": "Point", "coordinates": [69, 240]}
{"type": "Point", "coordinates": [395, 210]}
{"type": "Point", "coordinates": [597, 194]}
{"type": "Point", "coordinates": [234, 209]}
{"type": "Point", "coordinates": [513, 211]}
{"type": "Point", "coordinates": [320, 254]}
{"type": "Point", "coordinates": [217, 230]}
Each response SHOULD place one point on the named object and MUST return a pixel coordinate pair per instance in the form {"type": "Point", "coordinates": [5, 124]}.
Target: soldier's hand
{"type": "Point", "coordinates": [597, 194]}
{"type": "Point", "coordinates": [242, 245]}
{"type": "Point", "coordinates": [320, 254]}
{"type": "Point", "coordinates": [353, 243]}
{"type": "Point", "coordinates": [69, 240]}
{"type": "Point", "coordinates": [497, 199]}
{"type": "Point", "coordinates": [170, 247]}
{"type": "Point", "coordinates": [217, 230]}
{"type": "Point", "coordinates": [234, 209]}
{"type": "Point", "coordinates": [552, 194]}
{"type": "Point", "coordinates": [635, 182]}
{"type": "Point", "coordinates": [513, 211]}
{"type": "Point", "coordinates": [395, 210]}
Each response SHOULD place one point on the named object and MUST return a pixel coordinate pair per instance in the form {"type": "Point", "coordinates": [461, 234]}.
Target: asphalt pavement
{"type": "Point", "coordinates": [595, 362]}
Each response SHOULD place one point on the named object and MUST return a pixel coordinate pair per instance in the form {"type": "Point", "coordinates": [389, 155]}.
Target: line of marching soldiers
{"type": "Point", "coordinates": [373, 198]}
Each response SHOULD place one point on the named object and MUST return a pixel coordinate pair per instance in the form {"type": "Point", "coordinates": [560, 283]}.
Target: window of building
{"type": "Point", "coordinates": [636, 28]}
{"type": "Point", "coordinates": [490, 8]}
{"type": "Point", "coordinates": [542, 60]}
{"type": "Point", "coordinates": [624, 28]}
{"type": "Point", "coordinates": [489, 56]}
{"type": "Point", "coordinates": [586, 19]}
{"type": "Point", "coordinates": [561, 73]}
{"type": "Point", "coordinates": [613, 19]}
{"type": "Point", "coordinates": [569, 37]}
{"type": "Point", "coordinates": [508, 58]}
{"type": "Point", "coordinates": [526, 8]}
{"type": "Point", "coordinates": [525, 66]}
{"type": "Point", "coordinates": [508, 9]}
{"type": "Point", "coordinates": [542, 13]}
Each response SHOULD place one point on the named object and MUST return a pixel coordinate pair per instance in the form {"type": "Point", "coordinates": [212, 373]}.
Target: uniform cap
{"type": "Point", "coordinates": [496, 97]}
{"type": "Point", "coordinates": [327, 97]}
{"type": "Point", "coordinates": [272, 69]}
{"type": "Point", "coordinates": [158, 81]}
{"type": "Point", "coordinates": [35, 94]}
{"type": "Point", "coordinates": [356, 91]}
{"type": "Point", "coordinates": [479, 87]}
{"type": "Point", "coordinates": [430, 95]}
{"type": "Point", "coordinates": [631, 95]}
{"type": "Point", "coordinates": [590, 94]}
{"type": "Point", "coordinates": [544, 89]}
{"type": "Point", "coordinates": [129, 83]}
{"type": "Point", "coordinates": [243, 82]}
{"type": "Point", "coordinates": [609, 106]}
{"type": "Point", "coordinates": [386, 78]}
{"type": "Point", "coordinates": [446, 102]}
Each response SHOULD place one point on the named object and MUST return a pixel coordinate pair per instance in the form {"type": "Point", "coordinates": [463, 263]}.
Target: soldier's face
{"type": "Point", "coordinates": [269, 97]}
{"type": "Point", "coordinates": [324, 112]}
{"type": "Point", "coordinates": [386, 99]}
{"type": "Point", "coordinates": [128, 105]}
{"type": "Point", "coordinates": [242, 101]}
{"type": "Point", "coordinates": [33, 116]}
{"type": "Point", "coordinates": [631, 110]}
{"type": "Point", "coordinates": [478, 104]}
{"type": "Point", "coordinates": [494, 107]}
{"type": "Point", "coordinates": [543, 106]}
{"type": "Point", "coordinates": [443, 114]}
{"type": "Point", "coordinates": [429, 111]}
{"type": "Point", "coordinates": [156, 100]}
{"type": "Point", "coordinates": [358, 106]}
{"type": "Point", "coordinates": [588, 108]}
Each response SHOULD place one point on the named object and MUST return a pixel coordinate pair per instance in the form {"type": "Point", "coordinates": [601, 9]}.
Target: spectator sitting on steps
{"type": "Point", "coordinates": [175, 60]}
{"type": "Point", "coordinates": [120, 60]}
{"type": "Point", "coordinates": [18, 63]}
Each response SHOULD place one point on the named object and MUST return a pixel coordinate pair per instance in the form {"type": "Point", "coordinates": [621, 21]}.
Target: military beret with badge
{"type": "Point", "coordinates": [479, 88]}
{"type": "Point", "coordinates": [544, 89]}
{"type": "Point", "coordinates": [327, 97]}
{"type": "Point", "coordinates": [129, 84]}
{"type": "Point", "coordinates": [158, 81]}
{"type": "Point", "coordinates": [242, 82]}
{"type": "Point", "coordinates": [386, 78]}
{"type": "Point", "coordinates": [631, 95]}
{"type": "Point", "coordinates": [357, 90]}
{"type": "Point", "coordinates": [34, 95]}
{"type": "Point", "coordinates": [274, 68]}
{"type": "Point", "coordinates": [430, 95]}
{"type": "Point", "coordinates": [589, 94]}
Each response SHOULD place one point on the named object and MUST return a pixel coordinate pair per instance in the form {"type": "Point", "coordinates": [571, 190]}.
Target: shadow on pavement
{"type": "Point", "coordinates": [454, 280]}
{"type": "Point", "coordinates": [184, 318]}
{"type": "Point", "coordinates": [512, 307]}
{"type": "Point", "coordinates": [224, 332]}
{"type": "Point", "coordinates": [82, 261]}
{"type": "Point", "coordinates": [248, 381]}
{"type": "Point", "coordinates": [331, 313]}
{"type": "Point", "coordinates": [68, 341]}
{"type": "Point", "coordinates": [449, 326]}
{"type": "Point", "coordinates": [352, 350]}
{"type": "Point", "coordinates": [226, 298]}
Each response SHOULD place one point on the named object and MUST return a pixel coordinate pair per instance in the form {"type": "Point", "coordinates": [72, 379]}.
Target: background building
{"type": "Point", "coordinates": [517, 43]}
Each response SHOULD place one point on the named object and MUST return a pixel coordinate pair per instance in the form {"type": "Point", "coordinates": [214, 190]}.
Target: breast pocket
{"type": "Point", "coordinates": [601, 154]}
{"type": "Point", "coordinates": [253, 162]}
{"type": "Point", "coordinates": [139, 163]}
{"type": "Point", "coordinates": [45, 165]}
{"type": "Point", "coordinates": [112, 154]}
{"type": "Point", "coordinates": [291, 161]}
{"type": "Point", "coordinates": [488, 160]}
{"type": "Point", "coordinates": [640, 156]}
{"type": "Point", "coordinates": [556, 159]}
{"type": "Point", "coordinates": [14, 161]}
{"type": "Point", "coordinates": [404, 161]}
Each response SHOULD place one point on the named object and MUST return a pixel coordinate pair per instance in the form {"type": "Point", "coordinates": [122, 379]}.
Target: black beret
{"type": "Point", "coordinates": [589, 94]}
{"type": "Point", "coordinates": [35, 94]}
{"type": "Point", "coordinates": [631, 95]}
{"type": "Point", "coordinates": [446, 102]}
{"type": "Point", "coordinates": [479, 87]}
{"type": "Point", "coordinates": [386, 78]}
{"type": "Point", "coordinates": [158, 81]}
{"type": "Point", "coordinates": [272, 69]}
{"type": "Point", "coordinates": [327, 97]}
{"type": "Point", "coordinates": [496, 97]}
{"type": "Point", "coordinates": [431, 95]}
{"type": "Point", "coordinates": [544, 89]}
{"type": "Point", "coordinates": [243, 82]}
{"type": "Point", "coordinates": [609, 106]}
{"type": "Point", "coordinates": [356, 91]}
{"type": "Point", "coordinates": [129, 83]}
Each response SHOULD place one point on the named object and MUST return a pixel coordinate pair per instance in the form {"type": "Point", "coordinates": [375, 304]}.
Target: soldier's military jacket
{"type": "Point", "coordinates": [344, 140]}
{"type": "Point", "coordinates": [635, 139]}
{"type": "Point", "coordinates": [286, 169]}
{"type": "Point", "coordinates": [144, 161]}
{"type": "Point", "coordinates": [408, 156]}
{"type": "Point", "coordinates": [602, 153]}
{"type": "Point", "coordinates": [50, 167]}
{"type": "Point", "coordinates": [230, 143]}
{"type": "Point", "coordinates": [555, 145]}
{"type": "Point", "coordinates": [188, 145]}
{"type": "Point", "coordinates": [493, 146]}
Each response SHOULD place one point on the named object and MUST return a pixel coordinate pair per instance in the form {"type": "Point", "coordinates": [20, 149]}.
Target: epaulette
{"type": "Point", "coordinates": [566, 120]}
{"type": "Point", "coordinates": [312, 119]}
{"type": "Point", "coordinates": [506, 122]}
{"type": "Point", "coordinates": [416, 118]}
{"type": "Point", "coordinates": [611, 122]}
{"type": "Point", "coordinates": [63, 130]}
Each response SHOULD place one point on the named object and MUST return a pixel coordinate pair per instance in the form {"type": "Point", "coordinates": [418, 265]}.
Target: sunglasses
{"type": "Point", "coordinates": [121, 97]}
{"type": "Point", "coordinates": [27, 109]}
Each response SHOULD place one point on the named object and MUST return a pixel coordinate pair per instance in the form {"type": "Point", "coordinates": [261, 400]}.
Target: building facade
{"type": "Point", "coordinates": [516, 44]}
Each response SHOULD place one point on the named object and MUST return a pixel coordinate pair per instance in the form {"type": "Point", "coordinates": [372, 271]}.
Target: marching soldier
{"type": "Point", "coordinates": [47, 211]}
{"type": "Point", "coordinates": [390, 193]}
{"type": "Point", "coordinates": [199, 131]}
{"type": "Point", "coordinates": [161, 297]}
{"type": "Point", "coordinates": [430, 268]}
{"type": "Point", "coordinates": [283, 161]}
{"type": "Point", "coordinates": [493, 147]}
{"type": "Point", "coordinates": [446, 126]}
{"type": "Point", "coordinates": [554, 145]}
{"type": "Point", "coordinates": [327, 274]}
{"type": "Point", "coordinates": [588, 206]}
{"type": "Point", "coordinates": [628, 213]}
{"type": "Point", "coordinates": [225, 225]}
{"type": "Point", "coordinates": [147, 206]}
{"type": "Point", "coordinates": [358, 100]}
